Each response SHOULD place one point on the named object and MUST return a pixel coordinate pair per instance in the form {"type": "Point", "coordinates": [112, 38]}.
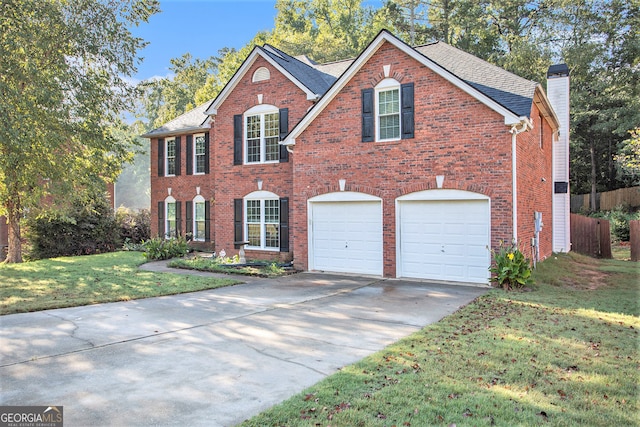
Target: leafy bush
{"type": "Point", "coordinates": [86, 225]}
{"type": "Point", "coordinates": [510, 269]}
{"type": "Point", "coordinates": [159, 248]}
{"type": "Point", "coordinates": [134, 226]}
{"type": "Point", "coordinates": [619, 219]}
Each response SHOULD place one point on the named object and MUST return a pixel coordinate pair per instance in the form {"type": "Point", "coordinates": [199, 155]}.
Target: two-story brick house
{"type": "Point", "coordinates": [405, 162]}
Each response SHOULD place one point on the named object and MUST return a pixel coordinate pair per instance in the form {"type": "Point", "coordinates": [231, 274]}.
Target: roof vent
{"type": "Point", "coordinates": [261, 74]}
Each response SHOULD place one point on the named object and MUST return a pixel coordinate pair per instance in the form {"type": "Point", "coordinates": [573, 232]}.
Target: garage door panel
{"type": "Point", "coordinates": [346, 237]}
{"type": "Point", "coordinates": [444, 239]}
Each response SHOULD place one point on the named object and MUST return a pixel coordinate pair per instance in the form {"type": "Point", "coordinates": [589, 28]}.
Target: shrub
{"type": "Point", "coordinates": [86, 225]}
{"type": "Point", "coordinates": [134, 226]}
{"type": "Point", "coordinates": [159, 248]}
{"type": "Point", "coordinates": [510, 269]}
{"type": "Point", "coordinates": [619, 218]}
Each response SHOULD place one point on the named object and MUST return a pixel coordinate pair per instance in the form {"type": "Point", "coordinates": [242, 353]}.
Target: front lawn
{"type": "Point", "coordinates": [564, 354]}
{"type": "Point", "coordinates": [82, 280]}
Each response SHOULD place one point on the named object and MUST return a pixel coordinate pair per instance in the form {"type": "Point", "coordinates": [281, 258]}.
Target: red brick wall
{"type": "Point", "coordinates": [535, 184]}
{"type": "Point", "coordinates": [235, 182]}
{"type": "Point", "coordinates": [455, 136]}
{"type": "Point", "coordinates": [183, 186]}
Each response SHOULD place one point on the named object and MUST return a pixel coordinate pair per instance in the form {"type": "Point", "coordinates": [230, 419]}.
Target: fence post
{"type": "Point", "coordinates": [634, 239]}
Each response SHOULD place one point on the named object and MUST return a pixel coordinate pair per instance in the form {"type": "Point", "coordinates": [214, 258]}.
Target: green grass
{"type": "Point", "coordinates": [564, 353]}
{"type": "Point", "coordinates": [73, 281]}
{"type": "Point", "coordinates": [208, 264]}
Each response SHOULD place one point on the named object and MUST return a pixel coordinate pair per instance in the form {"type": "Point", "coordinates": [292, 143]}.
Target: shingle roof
{"type": "Point", "coordinates": [314, 79]}
{"type": "Point", "coordinates": [507, 89]}
{"type": "Point", "coordinates": [194, 119]}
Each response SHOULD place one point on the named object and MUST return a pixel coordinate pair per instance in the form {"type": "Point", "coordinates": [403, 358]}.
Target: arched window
{"type": "Point", "coordinates": [261, 74]}
{"type": "Point", "coordinates": [262, 134]}
{"type": "Point", "coordinates": [199, 219]}
{"type": "Point", "coordinates": [262, 220]}
{"type": "Point", "coordinates": [171, 216]}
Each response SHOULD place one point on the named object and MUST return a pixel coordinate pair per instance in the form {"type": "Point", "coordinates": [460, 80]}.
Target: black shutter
{"type": "Point", "coordinates": [207, 221]}
{"type": "Point", "coordinates": [188, 215]}
{"type": "Point", "coordinates": [284, 224]}
{"type": "Point", "coordinates": [190, 150]}
{"type": "Point", "coordinates": [284, 130]}
{"type": "Point", "coordinates": [177, 155]}
{"type": "Point", "coordinates": [206, 152]}
{"type": "Point", "coordinates": [178, 219]}
{"type": "Point", "coordinates": [368, 131]}
{"type": "Point", "coordinates": [161, 157]}
{"type": "Point", "coordinates": [238, 229]}
{"type": "Point", "coordinates": [161, 230]}
{"type": "Point", "coordinates": [237, 139]}
{"type": "Point", "coordinates": [406, 98]}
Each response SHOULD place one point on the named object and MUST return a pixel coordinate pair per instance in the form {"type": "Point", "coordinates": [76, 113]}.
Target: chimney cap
{"type": "Point", "coordinates": [558, 70]}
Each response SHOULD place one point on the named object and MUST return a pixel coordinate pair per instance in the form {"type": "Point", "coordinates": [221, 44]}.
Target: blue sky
{"type": "Point", "coordinates": [201, 27]}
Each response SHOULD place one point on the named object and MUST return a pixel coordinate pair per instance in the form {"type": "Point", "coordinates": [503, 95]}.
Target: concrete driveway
{"type": "Point", "coordinates": [211, 358]}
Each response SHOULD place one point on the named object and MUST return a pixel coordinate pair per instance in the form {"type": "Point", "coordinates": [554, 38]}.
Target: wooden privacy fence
{"type": "Point", "coordinates": [590, 236]}
{"type": "Point", "coordinates": [634, 239]}
{"type": "Point", "coordinates": [608, 200]}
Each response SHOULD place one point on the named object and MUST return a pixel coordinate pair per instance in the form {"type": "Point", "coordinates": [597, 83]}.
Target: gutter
{"type": "Point", "coordinates": [525, 125]}
{"type": "Point", "coordinates": [175, 132]}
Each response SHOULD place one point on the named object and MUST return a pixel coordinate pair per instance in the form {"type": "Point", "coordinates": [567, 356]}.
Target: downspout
{"type": "Point", "coordinates": [524, 126]}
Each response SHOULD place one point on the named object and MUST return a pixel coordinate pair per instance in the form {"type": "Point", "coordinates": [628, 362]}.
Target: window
{"type": "Point", "coordinates": [261, 74]}
{"type": "Point", "coordinates": [263, 223]}
{"type": "Point", "coordinates": [199, 228]}
{"type": "Point", "coordinates": [171, 220]}
{"type": "Point", "coordinates": [388, 110]}
{"type": "Point", "coordinates": [170, 157]}
{"type": "Point", "coordinates": [262, 137]}
{"type": "Point", "coordinates": [199, 154]}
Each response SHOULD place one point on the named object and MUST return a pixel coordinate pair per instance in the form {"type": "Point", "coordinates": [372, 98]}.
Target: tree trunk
{"type": "Point", "coordinates": [14, 252]}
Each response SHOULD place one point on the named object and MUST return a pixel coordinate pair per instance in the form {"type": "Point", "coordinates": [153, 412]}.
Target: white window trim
{"type": "Point", "coordinates": [386, 85]}
{"type": "Point", "coordinates": [167, 229]}
{"type": "Point", "coordinates": [166, 157]}
{"type": "Point", "coordinates": [261, 74]}
{"type": "Point", "coordinates": [261, 196]}
{"type": "Point", "coordinates": [195, 156]}
{"type": "Point", "coordinates": [259, 110]}
{"type": "Point", "coordinates": [197, 199]}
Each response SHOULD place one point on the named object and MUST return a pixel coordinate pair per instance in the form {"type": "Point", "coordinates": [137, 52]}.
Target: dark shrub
{"type": "Point", "coordinates": [134, 226]}
{"type": "Point", "coordinates": [86, 225]}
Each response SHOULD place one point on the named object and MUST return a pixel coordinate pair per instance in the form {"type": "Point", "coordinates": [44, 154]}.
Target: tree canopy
{"type": "Point", "coordinates": [63, 68]}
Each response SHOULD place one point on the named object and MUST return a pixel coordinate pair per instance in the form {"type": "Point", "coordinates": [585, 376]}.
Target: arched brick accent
{"type": "Point", "coordinates": [447, 185]}
{"type": "Point", "coordinates": [348, 187]}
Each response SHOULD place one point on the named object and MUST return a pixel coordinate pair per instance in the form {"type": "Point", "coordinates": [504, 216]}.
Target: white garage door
{"type": "Point", "coordinates": [445, 240]}
{"type": "Point", "coordinates": [346, 237]}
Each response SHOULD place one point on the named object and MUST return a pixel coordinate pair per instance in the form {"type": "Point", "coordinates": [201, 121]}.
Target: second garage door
{"type": "Point", "coordinates": [346, 237]}
{"type": "Point", "coordinates": [444, 240]}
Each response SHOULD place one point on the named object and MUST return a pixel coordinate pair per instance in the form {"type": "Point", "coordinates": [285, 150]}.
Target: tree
{"type": "Point", "coordinates": [324, 30]}
{"type": "Point", "coordinates": [62, 84]}
{"type": "Point", "coordinates": [628, 159]}
{"type": "Point", "coordinates": [165, 99]}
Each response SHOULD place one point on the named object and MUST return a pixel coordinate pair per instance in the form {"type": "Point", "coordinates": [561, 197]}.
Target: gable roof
{"type": "Point", "coordinates": [192, 120]}
{"type": "Point", "coordinates": [508, 89]}
{"type": "Point", "coordinates": [313, 82]}
{"type": "Point", "coordinates": [507, 94]}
